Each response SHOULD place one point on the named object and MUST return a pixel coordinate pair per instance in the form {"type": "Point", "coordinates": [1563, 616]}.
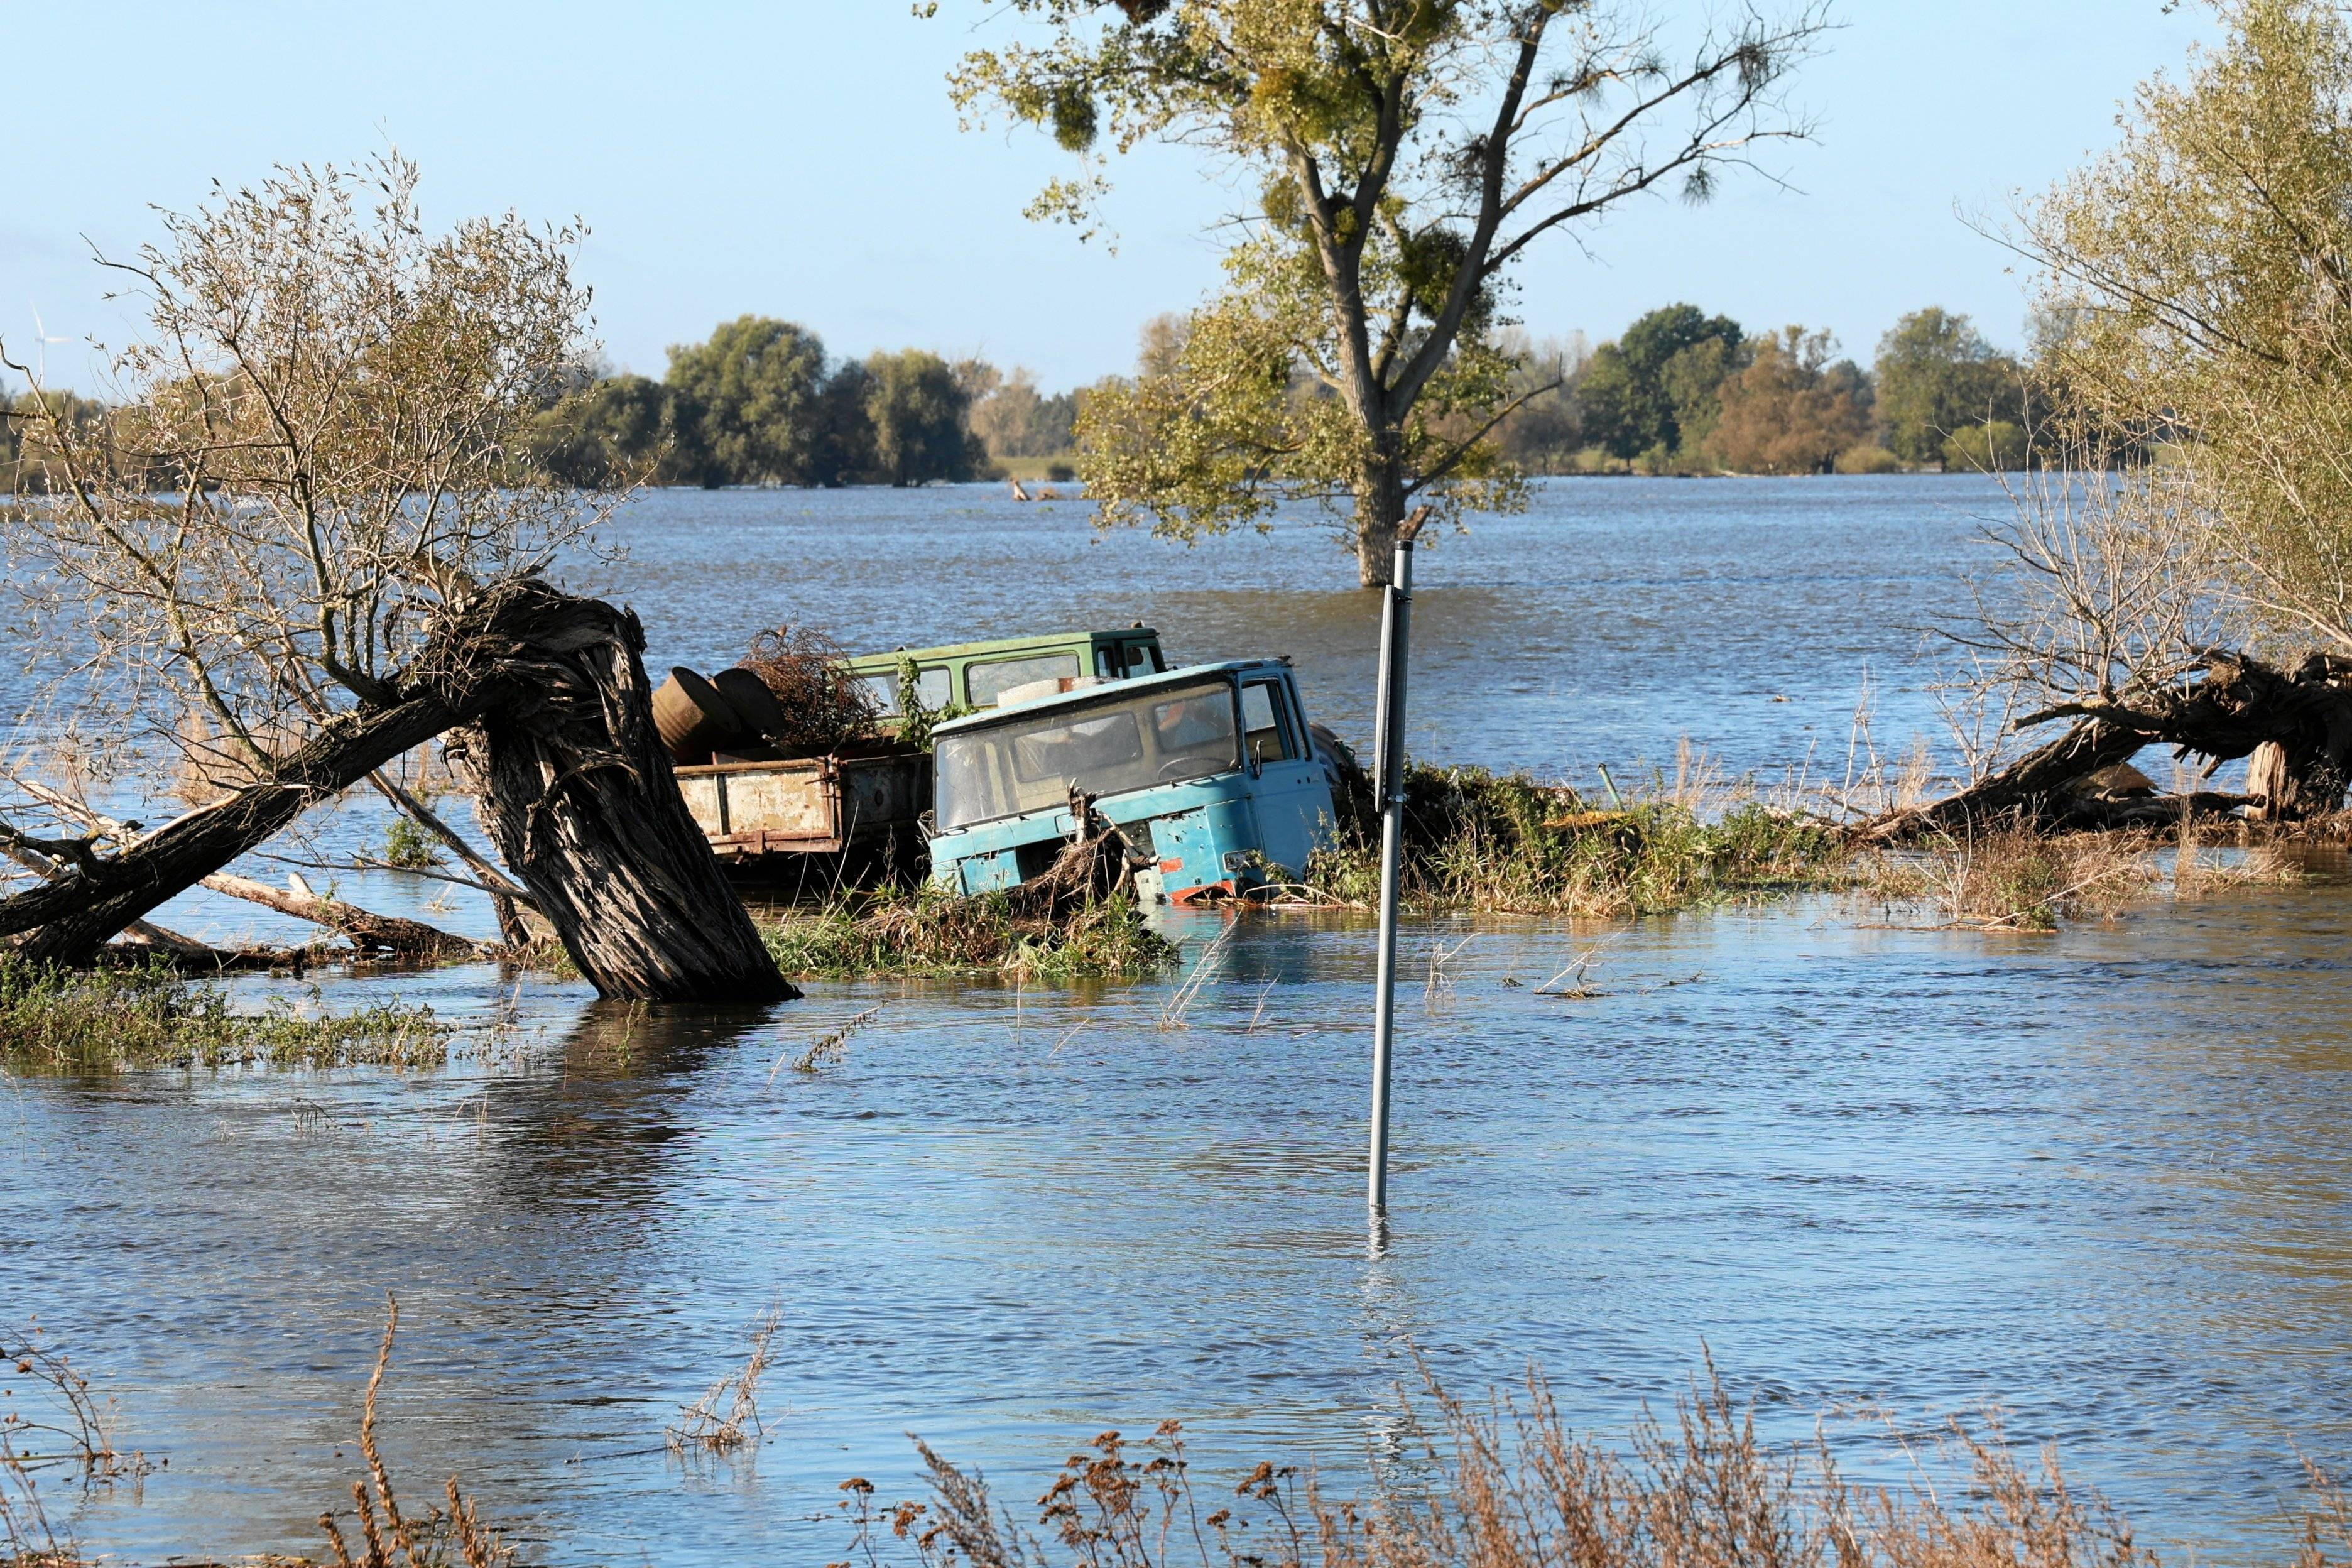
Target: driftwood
{"type": "Point", "coordinates": [65, 921]}
{"type": "Point", "coordinates": [372, 934]}
{"type": "Point", "coordinates": [1093, 866]}
{"type": "Point", "coordinates": [578, 795]}
{"type": "Point", "coordinates": [2298, 726]}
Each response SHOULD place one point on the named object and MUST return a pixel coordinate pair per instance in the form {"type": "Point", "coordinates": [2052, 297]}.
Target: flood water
{"type": "Point", "coordinates": [2100, 1178]}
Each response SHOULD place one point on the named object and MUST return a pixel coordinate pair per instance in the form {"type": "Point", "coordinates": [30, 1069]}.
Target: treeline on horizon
{"type": "Point", "coordinates": [761, 402]}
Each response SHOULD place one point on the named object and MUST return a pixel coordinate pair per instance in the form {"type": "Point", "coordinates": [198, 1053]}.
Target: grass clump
{"type": "Point", "coordinates": [106, 1020]}
{"type": "Point", "coordinates": [934, 932]}
{"type": "Point", "coordinates": [1505, 843]}
{"type": "Point", "coordinates": [1505, 1484]}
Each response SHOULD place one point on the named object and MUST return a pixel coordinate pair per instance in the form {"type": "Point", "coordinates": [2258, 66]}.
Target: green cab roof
{"type": "Point", "coordinates": [871, 663]}
{"type": "Point", "coordinates": [1110, 690]}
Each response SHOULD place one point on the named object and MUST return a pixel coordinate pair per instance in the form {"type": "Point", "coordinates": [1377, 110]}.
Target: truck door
{"type": "Point", "coordinates": [1292, 799]}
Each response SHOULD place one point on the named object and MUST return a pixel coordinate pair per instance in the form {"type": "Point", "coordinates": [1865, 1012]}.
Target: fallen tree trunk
{"type": "Point", "coordinates": [2301, 723]}
{"type": "Point", "coordinates": [389, 935]}
{"type": "Point", "coordinates": [65, 921]}
{"type": "Point", "coordinates": [577, 792]}
{"type": "Point", "coordinates": [369, 932]}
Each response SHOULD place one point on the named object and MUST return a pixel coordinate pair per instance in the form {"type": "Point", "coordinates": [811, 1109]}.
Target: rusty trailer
{"type": "Point", "coordinates": [808, 805]}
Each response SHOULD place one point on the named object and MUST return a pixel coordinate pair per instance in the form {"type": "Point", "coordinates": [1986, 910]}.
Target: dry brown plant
{"type": "Point", "coordinates": [1505, 1484]}
{"type": "Point", "coordinates": [57, 1425]}
{"type": "Point", "coordinates": [439, 1538]}
{"type": "Point", "coordinates": [825, 706]}
{"type": "Point", "coordinates": [727, 1416]}
{"type": "Point", "coordinates": [829, 1048]}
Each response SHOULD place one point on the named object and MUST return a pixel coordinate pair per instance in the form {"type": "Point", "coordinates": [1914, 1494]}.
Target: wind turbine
{"type": "Point", "coordinates": [41, 341]}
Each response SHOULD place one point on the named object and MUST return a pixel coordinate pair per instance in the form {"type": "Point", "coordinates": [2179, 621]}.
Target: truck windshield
{"type": "Point", "coordinates": [1104, 748]}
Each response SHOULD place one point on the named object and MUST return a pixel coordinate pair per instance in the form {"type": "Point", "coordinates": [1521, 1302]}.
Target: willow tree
{"type": "Point", "coordinates": [1405, 155]}
{"type": "Point", "coordinates": [2196, 291]}
{"type": "Point", "coordinates": [2198, 287]}
{"type": "Point", "coordinates": [310, 542]}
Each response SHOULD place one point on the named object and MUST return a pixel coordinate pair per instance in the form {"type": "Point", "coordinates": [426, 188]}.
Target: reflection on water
{"type": "Point", "coordinates": [2098, 1176]}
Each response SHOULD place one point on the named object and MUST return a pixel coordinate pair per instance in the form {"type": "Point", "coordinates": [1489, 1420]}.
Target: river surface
{"type": "Point", "coordinates": [2099, 1178]}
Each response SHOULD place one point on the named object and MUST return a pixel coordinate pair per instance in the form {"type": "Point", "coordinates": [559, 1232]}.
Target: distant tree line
{"type": "Point", "coordinates": [760, 402]}
{"type": "Point", "coordinates": [1681, 391]}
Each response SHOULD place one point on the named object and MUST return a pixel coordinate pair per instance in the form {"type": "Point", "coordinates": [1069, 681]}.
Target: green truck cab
{"type": "Point", "coordinates": [1209, 770]}
{"type": "Point", "coordinates": [976, 674]}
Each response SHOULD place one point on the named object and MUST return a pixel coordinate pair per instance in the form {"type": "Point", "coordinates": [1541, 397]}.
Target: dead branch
{"type": "Point", "coordinates": [390, 935]}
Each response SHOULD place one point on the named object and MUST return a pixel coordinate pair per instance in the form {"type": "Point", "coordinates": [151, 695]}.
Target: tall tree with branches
{"type": "Point", "coordinates": [1405, 154]}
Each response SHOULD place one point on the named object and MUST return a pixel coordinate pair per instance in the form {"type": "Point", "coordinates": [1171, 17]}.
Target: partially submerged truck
{"type": "Point", "coordinates": [980, 674]}
{"type": "Point", "coordinates": [864, 801]}
{"type": "Point", "coordinates": [1211, 772]}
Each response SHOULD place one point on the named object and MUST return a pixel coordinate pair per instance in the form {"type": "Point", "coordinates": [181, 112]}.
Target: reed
{"type": "Point", "coordinates": [112, 1020]}
{"type": "Point", "coordinates": [388, 1538]}
{"type": "Point", "coordinates": [1505, 1484]}
{"type": "Point", "coordinates": [727, 1416]}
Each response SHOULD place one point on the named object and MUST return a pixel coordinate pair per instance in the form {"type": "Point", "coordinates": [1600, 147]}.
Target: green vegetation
{"type": "Point", "coordinates": [933, 931]}
{"type": "Point", "coordinates": [1503, 842]}
{"type": "Point", "coordinates": [1355, 357]}
{"type": "Point", "coordinates": [1683, 392]}
{"type": "Point", "coordinates": [409, 846]}
{"type": "Point", "coordinates": [1940, 384]}
{"type": "Point", "coordinates": [107, 1020]}
{"type": "Point", "coordinates": [761, 402]}
{"type": "Point", "coordinates": [2194, 292]}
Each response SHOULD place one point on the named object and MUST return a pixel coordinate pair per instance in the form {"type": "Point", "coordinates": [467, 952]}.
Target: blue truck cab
{"type": "Point", "coordinates": [1209, 770]}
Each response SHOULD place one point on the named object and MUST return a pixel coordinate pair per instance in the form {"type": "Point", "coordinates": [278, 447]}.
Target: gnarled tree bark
{"type": "Point", "coordinates": [578, 795]}
{"type": "Point", "coordinates": [578, 792]}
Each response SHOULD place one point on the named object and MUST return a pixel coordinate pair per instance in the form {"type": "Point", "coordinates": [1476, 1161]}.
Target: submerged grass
{"type": "Point", "coordinates": [932, 931]}
{"type": "Point", "coordinates": [104, 1020]}
{"type": "Point", "coordinates": [1505, 843]}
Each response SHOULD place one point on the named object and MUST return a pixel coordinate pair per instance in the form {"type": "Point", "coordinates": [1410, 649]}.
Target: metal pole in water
{"type": "Point", "coordinates": [1396, 624]}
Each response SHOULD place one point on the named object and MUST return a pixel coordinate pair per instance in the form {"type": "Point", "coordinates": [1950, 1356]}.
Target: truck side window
{"type": "Point", "coordinates": [931, 684]}
{"type": "Point", "coordinates": [984, 681]}
{"type": "Point", "coordinates": [1267, 717]}
{"type": "Point", "coordinates": [1107, 664]}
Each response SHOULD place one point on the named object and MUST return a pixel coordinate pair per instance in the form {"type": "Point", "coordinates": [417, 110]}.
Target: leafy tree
{"type": "Point", "coordinates": [1937, 374]}
{"type": "Point", "coordinates": [918, 410]}
{"type": "Point", "coordinates": [611, 433]}
{"type": "Point", "coordinates": [1654, 389]}
{"type": "Point", "coordinates": [844, 453]}
{"type": "Point", "coordinates": [1544, 436]}
{"type": "Point", "coordinates": [1995, 446]}
{"type": "Point", "coordinates": [748, 404]}
{"type": "Point", "coordinates": [1790, 411]}
{"type": "Point", "coordinates": [1014, 420]}
{"type": "Point", "coordinates": [30, 456]}
{"type": "Point", "coordinates": [1405, 155]}
{"type": "Point", "coordinates": [2197, 290]}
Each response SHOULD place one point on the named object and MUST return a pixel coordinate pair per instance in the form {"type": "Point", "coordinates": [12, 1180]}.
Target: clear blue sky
{"type": "Point", "coordinates": [799, 159]}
